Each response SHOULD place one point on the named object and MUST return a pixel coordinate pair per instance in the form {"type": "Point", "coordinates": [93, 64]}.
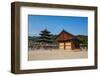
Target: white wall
{"type": "Point", "coordinates": [5, 33]}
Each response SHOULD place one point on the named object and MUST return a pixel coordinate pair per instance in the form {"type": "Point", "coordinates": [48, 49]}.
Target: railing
{"type": "Point", "coordinates": [43, 46]}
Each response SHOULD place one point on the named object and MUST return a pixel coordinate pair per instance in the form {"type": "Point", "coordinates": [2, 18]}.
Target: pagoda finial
{"type": "Point", "coordinates": [46, 28]}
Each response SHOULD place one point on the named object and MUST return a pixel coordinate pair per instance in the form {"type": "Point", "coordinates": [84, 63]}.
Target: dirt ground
{"type": "Point", "coordinates": [56, 54]}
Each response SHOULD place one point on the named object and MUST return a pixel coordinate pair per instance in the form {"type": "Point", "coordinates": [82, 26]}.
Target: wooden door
{"type": "Point", "coordinates": [61, 45]}
{"type": "Point", "coordinates": [68, 45]}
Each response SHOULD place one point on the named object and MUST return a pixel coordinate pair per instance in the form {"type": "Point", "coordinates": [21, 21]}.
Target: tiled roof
{"type": "Point", "coordinates": [63, 36]}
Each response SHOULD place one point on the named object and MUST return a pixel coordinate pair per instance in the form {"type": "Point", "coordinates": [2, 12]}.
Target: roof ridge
{"type": "Point", "coordinates": [67, 32]}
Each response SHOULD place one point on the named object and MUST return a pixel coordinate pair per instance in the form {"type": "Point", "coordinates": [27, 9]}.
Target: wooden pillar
{"type": "Point", "coordinates": [64, 46]}
{"type": "Point", "coordinates": [71, 45]}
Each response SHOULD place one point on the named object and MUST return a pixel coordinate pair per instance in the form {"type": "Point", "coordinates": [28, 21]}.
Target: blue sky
{"type": "Point", "coordinates": [55, 24]}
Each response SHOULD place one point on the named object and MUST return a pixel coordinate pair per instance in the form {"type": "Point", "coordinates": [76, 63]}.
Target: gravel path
{"type": "Point", "coordinates": [56, 54]}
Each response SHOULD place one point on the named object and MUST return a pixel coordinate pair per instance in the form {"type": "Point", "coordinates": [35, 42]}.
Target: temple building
{"type": "Point", "coordinates": [67, 41]}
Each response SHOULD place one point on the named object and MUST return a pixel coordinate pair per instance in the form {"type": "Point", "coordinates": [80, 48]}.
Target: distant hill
{"type": "Point", "coordinates": [35, 38]}
{"type": "Point", "coordinates": [82, 38]}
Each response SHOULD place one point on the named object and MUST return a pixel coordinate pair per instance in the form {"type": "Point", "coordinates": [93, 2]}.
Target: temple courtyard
{"type": "Point", "coordinates": [56, 54]}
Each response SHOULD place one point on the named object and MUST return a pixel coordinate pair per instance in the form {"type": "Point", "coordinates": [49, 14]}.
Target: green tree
{"type": "Point", "coordinates": [84, 40]}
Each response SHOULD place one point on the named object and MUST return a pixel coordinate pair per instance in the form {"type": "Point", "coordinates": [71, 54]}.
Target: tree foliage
{"type": "Point", "coordinates": [84, 40]}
